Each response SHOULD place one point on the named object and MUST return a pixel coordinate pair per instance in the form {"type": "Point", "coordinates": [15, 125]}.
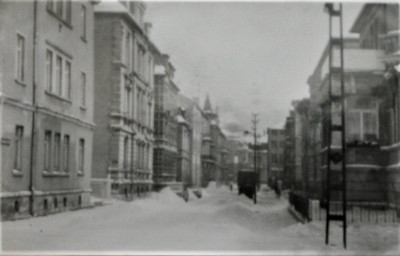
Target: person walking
{"type": "Point", "coordinates": [278, 188]}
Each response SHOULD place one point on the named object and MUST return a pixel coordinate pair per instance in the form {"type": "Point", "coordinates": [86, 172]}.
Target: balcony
{"type": "Point", "coordinates": [390, 45]}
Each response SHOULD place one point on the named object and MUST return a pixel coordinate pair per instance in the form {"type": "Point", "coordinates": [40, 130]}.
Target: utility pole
{"type": "Point", "coordinates": [336, 158]}
{"type": "Point", "coordinates": [254, 122]}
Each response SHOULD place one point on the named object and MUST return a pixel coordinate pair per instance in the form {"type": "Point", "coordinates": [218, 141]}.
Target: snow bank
{"type": "Point", "coordinates": [212, 185]}
{"type": "Point", "coordinates": [166, 195]}
{"type": "Point", "coordinates": [204, 193]}
{"type": "Point", "coordinates": [236, 212]}
{"type": "Point", "coordinates": [192, 196]}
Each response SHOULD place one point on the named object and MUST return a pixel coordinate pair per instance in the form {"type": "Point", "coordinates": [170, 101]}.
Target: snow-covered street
{"type": "Point", "coordinates": [220, 221]}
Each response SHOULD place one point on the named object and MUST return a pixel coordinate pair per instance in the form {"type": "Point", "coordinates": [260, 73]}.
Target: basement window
{"type": "Point", "coordinates": [45, 204]}
{"type": "Point", "coordinates": [16, 206]}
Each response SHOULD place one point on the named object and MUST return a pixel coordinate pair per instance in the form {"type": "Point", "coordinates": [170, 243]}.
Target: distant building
{"type": "Point", "coordinates": [261, 161]}
{"type": "Point", "coordinates": [289, 152]}
{"type": "Point", "coordinates": [124, 102]}
{"type": "Point", "coordinates": [184, 148]}
{"type": "Point", "coordinates": [214, 152]}
{"type": "Point", "coordinates": [46, 106]}
{"type": "Point", "coordinates": [196, 118]}
{"type": "Point", "coordinates": [276, 142]}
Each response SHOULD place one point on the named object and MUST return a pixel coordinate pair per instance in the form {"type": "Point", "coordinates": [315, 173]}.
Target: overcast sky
{"type": "Point", "coordinates": [249, 57]}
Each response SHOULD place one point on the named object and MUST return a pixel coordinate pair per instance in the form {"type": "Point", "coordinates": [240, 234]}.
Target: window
{"type": "Point", "coordinates": [68, 12]}
{"type": "Point", "coordinates": [58, 85]}
{"type": "Point", "coordinates": [362, 120]}
{"type": "Point", "coordinates": [57, 151]}
{"type": "Point", "coordinates": [20, 57]}
{"type": "Point", "coordinates": [61, 9]}
{"type": "Point", "coordinates": [49, 70]}
{"type": "Point", "coordinates": [81, 160]}
{"type": "Point", "coordinates": [370, 126]}
{"type": "Point", "coordinates": [127, 101]}
{"type": "Point", "coordinates": [274, 158]}
{"type": "Point", "coordinates": [362, 126]}
{"type": "Point", "coordinates": [126, 155]}
{"type": "Point", "coordinates": [66, 153]}
{"type": "Point", "coordinates": [19, 136]}
{"type": "Point", "coordinates": [128, 51]}
{"type": "Point", "coordinates": [83, 88]}
{"type": "Point", "coordinates": [47, 150]}
{"type": "Point", "coordinates": [83, 17]}
{"type": "Point", "coordinates": [67, 80]}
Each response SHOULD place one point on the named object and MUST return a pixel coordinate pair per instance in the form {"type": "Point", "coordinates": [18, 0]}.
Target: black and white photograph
{"type": "Point", "coordinates": [199, 127]}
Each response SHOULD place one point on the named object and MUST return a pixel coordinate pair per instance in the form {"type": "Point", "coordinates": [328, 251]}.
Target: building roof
{"type": "Point", "coordinates": [207, 105]}
{"type": "Point", "coordinates": [364, 13]}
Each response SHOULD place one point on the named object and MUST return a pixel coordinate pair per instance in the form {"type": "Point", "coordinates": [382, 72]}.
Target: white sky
{"type": "Point", "coordinates": [249, 57]}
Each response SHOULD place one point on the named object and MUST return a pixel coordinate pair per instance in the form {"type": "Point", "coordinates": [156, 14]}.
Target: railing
{"type": "Point", "coordinates": [300, 203]}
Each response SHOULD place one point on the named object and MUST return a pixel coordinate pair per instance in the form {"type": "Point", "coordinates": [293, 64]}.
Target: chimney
{"type": "Point", "coordinates": [147, 28]}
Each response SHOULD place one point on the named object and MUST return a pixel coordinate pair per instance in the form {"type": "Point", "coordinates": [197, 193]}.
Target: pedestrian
{"type": "Point", "coordinates": [230, 186]}
{"type": "Point", "coordinates": [278, 188]}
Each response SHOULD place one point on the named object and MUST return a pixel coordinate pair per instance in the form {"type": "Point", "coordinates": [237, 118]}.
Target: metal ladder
{"type": "Point", "coordinates": [336, 157]}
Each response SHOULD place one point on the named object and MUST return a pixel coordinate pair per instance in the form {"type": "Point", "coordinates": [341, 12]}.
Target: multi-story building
{"type": "Point", "coordinates": [208, 159]}
{"type": "Point", "coordinates": [276, 143]}
{"type": "Point", "coordinates": [165, 158]}
{"type": "Point", "coordinates": [288, 152]}
{"type": "Point", "coordinates": [378, 28]}
{"type": "Point", "coordinates": [184, 148]}
{"type": "Point", "coordinates": [362, 72]}
{"type": "Point", "coordinates": [124, 102]}
{"type": "Point", "coordinates": [196, 118]}
{"type": "Point", "coordinates": [46, 106]}
{"type": "Point", "coordinates": [214, 152]}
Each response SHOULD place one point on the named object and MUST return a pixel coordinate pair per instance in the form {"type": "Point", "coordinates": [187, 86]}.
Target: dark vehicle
{"type": "Point", "coordinates": [247, 184]}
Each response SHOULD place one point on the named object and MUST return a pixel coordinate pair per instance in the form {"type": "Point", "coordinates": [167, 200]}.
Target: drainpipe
{"type": "Point", "coordinates": [31, 173]}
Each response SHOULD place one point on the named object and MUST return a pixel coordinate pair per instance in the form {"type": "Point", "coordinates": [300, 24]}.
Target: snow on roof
{"type": "Point", "coordinates": [180, 119]}
{"type": "Point", "coordinates": [110, 6]}
{"type": "Point", "coordinates": [159, 70]}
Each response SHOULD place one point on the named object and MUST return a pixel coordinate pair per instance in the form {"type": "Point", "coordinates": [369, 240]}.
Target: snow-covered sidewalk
{"type": "Point", "coordinates": [221, 221]}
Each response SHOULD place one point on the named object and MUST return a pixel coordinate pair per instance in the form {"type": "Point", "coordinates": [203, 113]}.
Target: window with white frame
{"type": "Point", "coordinates": [20, 58]}
{"type": "Point", "coordinates": [362, 121]}
{"type": "Point", "coordinates": [47, 150]}
{"type": "Point", "coordinates": [58, 74]}
{"type": "Point", "coordinates": [19, 136]}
